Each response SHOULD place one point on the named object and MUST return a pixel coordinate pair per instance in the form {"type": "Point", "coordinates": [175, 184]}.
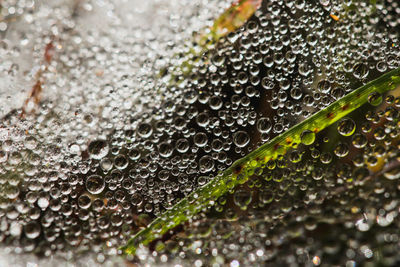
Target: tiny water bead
{"type": "Point", "coordinates": [295, 156]}
{"type": "Point", "coordinates": [144, 130]}
{"type": "Point", "coordinates": [360, 70]}
{"type": "Point", "coordinates": [98, 149]}
{"type": "Point", "coordinates": [182, 145]}
{"type": "Point", "coordinates": [264, 125]}
{"type": "Point", "coordinates": [206, 164]}
{"type": "Point", "coordinates": [200, 139]}
{"type": "Point", "coordinates": [32, 230]}
{"type": "Point", "coordinates": [375, 99]}
{"type": "Point", "coordinates": [324, 86]}
{"type": "Point", "coordinates": [359, 140]}
{"type": "Point", "coordinates": [307, 137]}
{"type": "Point", "coordinates": [84, 201]}
{"type": "Point", "coordinates": [341, 150]}
{"type": "Point", "coordinates": [241, 138]}
{"type": "Point", "coordinates": [95, 184]}
{"type": "Point", "coordinates": [165, 149]}
{"type": "Point", "coordinates": [346, 127]}
{"type": "Point", "coordinates": [242, 198]}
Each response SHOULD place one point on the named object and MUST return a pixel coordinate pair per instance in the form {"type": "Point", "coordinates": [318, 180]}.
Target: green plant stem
{"type": "Point", "coordinates": [240, 171]}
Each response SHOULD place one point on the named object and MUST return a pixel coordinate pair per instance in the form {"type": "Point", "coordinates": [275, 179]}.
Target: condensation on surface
{"type": "Point", "coordinates": [112, 112]}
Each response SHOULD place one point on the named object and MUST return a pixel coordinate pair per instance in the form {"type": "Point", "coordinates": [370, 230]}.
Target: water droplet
{"type": "Point", "coordinates": [324, 86]}
{"type": "Point", "coordinates": [295, 156]}
{"type": "Point", "coordinates": [144, 130]}
{"type": "Point", "coordinates": [307, 137]}
{"type": "Point", "coordinates": [242, 198]}
{"type": "Point", "coordinates": [206, 164]}
{"type": "Point", "coordinates": [241, 138]}
{"type": "Point", "coordinates": [360, 71]}
{"type": "Point", "coordinates": [346, 127]}
{"type": "Point", "coordinates": [182, 145]}
{"type": "Point", "coordinates": [264, 125]}
{"type": "Point", "coordinates": [341, 150]}
{"type": "Point", "coordinates": [375, 99]}
{"type": "Point", "coordinates": [165, 149]}
{"type": "Point", "coordinates": [359, 140]}
{"type": "Point", "coordinates": [32, 230]}
{"type": "Point", "coordinates": [200, 139]}
{"type": "Point", "coordinates": [98, 149]}
{"type": "Point", "coordinates": [84, 202]}
{"type": "Point", "coordinates": [95, 184]}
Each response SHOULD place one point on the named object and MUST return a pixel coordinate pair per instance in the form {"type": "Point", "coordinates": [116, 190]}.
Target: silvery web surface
{"type": "Point", "coordinates": [121, 132]}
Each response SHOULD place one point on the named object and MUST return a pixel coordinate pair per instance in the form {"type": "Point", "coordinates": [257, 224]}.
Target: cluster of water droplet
{"type": "Point", "coordinates": [99, 79]}
{"type": "Point", "coordinates": [333, 199]}
{"type": "Point", "coordinates": [135, 118]}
